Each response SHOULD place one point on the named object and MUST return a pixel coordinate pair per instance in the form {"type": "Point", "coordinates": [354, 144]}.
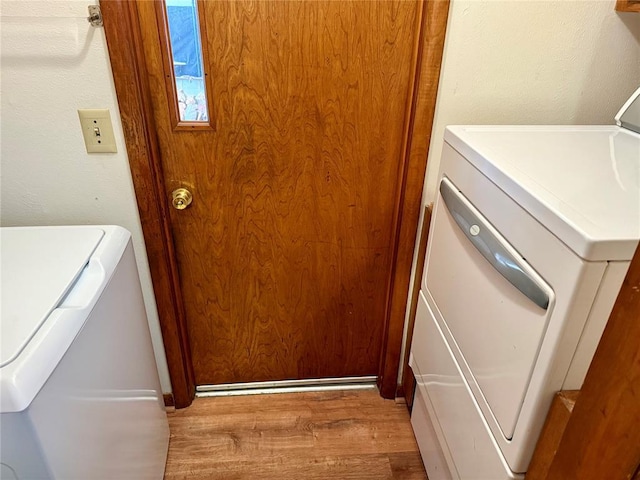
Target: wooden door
{"type": "Point", "coordinates": [285, 254]}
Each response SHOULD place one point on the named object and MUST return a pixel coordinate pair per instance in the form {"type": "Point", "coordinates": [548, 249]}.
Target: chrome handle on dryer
{"type": "Point", "coordinates": [491, 246]}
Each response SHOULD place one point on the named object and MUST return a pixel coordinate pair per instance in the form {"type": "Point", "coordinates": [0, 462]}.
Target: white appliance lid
{"type": "Point", "coordinates": [581, 182]}
{"type": "Point", "coordinates": [38, 266]}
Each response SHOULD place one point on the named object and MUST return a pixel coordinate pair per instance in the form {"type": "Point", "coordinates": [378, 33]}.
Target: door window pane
{"type": "Point", "coordinates": [186, 51]}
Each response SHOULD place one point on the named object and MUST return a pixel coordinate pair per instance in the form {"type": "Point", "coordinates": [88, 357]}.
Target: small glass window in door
{"type": "Point", "coordinates": [187, 78]}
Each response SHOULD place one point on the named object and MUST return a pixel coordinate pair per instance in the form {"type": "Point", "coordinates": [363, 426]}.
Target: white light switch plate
{"type": "Point", "coordinates": [97, 130]}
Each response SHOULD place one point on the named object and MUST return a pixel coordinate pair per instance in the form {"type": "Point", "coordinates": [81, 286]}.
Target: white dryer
{"type": "Point", "coordinates": [80, 396]}
{"type": "Point", "coordinates": [532, 234]}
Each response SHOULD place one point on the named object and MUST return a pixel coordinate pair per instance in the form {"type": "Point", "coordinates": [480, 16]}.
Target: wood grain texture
{"type": "Point", "coordinates": [340, 435]}
{"type": "Point", "coordinates": [602, 438]}
{"type": "Point", "coordinates": [409, 193]}
{"type": "Point", "coordinates": [628, 5]}
{"type": "Point", "coordinates": [551, 434]}
{"type": "Point", "coordinates": [408, 379]}
{"type": "Point", "coordinates": [285, 253]}
{"type": "Point", "coordinates": [131, 83]}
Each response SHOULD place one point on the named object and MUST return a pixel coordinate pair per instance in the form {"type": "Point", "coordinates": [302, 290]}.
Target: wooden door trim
{"type": "Point", "coordinates": [131, 83]}
{"type": "Point", "coordinates": [430, 46]}
{"type": "Point", "coordinates": [132, 89]}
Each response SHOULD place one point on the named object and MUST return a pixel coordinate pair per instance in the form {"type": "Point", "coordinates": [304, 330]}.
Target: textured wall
{"type": "Point", "coordinates": [52, 63]}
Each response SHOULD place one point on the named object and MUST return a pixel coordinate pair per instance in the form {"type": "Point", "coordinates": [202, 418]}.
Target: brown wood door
{"type": "Point", "coordinates": [285, 253]}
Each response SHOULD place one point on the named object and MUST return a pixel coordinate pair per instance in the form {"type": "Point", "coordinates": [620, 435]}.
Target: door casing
{"type": "Point", "coordinates": [131, 82]}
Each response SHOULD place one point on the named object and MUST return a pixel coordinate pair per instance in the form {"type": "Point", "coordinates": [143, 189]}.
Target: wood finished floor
{"type": "Point", "coordinates": [328, 435]}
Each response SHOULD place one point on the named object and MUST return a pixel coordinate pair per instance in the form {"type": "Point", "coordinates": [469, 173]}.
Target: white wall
{"type": "Point", "coordinates": [533, 62]}
{"type": "Point", "coordinates": [52, 63]}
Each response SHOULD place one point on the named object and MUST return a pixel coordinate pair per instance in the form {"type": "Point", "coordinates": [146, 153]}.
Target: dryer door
{"type": "Point", "coordinates": [492, 303]}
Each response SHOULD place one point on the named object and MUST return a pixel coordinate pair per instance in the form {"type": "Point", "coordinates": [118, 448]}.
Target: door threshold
{"type": "Point", "coordinates": [287, 386]}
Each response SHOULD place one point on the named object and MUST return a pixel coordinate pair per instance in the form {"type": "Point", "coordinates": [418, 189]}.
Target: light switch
{"type": "Point", "coordinates": [97, 130]}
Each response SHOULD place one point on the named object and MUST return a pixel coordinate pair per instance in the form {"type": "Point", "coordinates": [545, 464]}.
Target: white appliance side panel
{"type": "Point", "coordinates": [495, 326]}
{"type": "Point", "coordinates": [101, 413]}
{"type": "Point", "coordinates": [431, 442]}
{"type": "Point", "coordinates": [7, 473]}
{"type": "Point", "coordinates": [473, 448]}
{"type": "Point", "coordinates": [596, 323]}
{"type": "Point", "coordinates": [20, 453]}
{"type": "Point", "coordinates": [574, 282]}
{"type": "Point", "coordinates": [430, 448]}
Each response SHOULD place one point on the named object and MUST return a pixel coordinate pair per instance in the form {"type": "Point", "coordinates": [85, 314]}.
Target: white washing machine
{"type": "Point", "coordinates": [80, 396]}
{"type": "Point", "coordinates": [531, 237]}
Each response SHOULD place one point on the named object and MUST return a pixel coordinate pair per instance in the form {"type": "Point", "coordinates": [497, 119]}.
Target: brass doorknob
{"type": "Point", "coordinates": [181, 198]}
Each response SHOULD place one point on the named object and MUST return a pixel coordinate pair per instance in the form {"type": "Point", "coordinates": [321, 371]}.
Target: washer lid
{"type": "Point", "coordinates": [581, 182]}
{"type": "Point", "coordinates": [37, 268]}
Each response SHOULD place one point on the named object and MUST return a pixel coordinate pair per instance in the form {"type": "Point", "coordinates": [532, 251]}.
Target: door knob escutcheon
{"type": "Point", "coordinates": [181, 198]}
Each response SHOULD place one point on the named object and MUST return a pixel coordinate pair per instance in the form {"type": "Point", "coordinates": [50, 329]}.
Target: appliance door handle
{"type": "Point", "coordinates": [492, 245]}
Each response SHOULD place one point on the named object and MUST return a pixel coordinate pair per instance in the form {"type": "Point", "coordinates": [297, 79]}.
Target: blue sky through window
{"type": "Point", "coordinates": [184, 33]}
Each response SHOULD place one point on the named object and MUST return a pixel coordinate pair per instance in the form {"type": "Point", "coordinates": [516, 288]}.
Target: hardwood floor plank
{"type": "Point", "coordinates": [341, 435]}
{"type": "Point", "coordinates": [344, 467]}
{"type": "Point", "coordinates": [407, 466]}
